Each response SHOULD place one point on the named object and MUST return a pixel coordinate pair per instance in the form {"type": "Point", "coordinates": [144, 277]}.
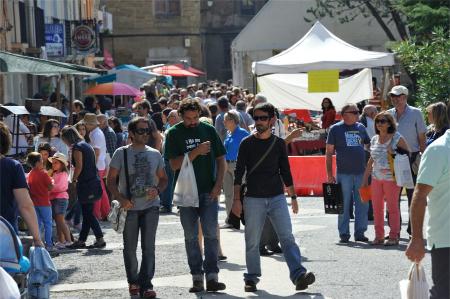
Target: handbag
{"type": "Point", "coordinates": [117, 215]}
{"type": "Point", "coordinates": [402, 169]}
{"type": "Point", "coordinates": [243, 189]}
{"type": "Point", "coordinates": [185, 193]}
{"type": "Point", "coordinates": [416, 286]}
{"type": "Point", "coordinates": [332, 198]}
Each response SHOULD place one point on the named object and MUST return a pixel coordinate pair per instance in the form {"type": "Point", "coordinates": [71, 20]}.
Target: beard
{"type": "Point", "coordinates": [261, 128]}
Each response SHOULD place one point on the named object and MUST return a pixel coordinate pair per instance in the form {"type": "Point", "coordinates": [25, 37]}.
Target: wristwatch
{"type": "Point", "coordinates": [294, 197]}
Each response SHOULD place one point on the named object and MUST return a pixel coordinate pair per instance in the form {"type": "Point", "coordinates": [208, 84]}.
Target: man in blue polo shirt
{"type": "Point", "coordinates": [232, 141]}
{"type": "Point", "coordinates": [433, 181]}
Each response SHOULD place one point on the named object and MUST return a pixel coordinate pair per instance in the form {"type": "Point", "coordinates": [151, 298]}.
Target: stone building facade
{"type": "Point", "coordinates": [167, 31]}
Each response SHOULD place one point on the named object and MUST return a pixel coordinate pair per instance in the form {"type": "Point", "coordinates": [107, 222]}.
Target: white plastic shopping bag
{"type": "Point", "coordinates": [8, 287]}
{"type": "Point", "coordinates": [402, 171]}
{"type": "Point", "coordinates": [185, 193]}
{"type": "Point", "coordinates": [416, 286]}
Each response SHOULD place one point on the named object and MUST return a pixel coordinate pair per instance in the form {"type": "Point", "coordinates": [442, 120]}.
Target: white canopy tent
{"type": "Point", "coordinates": [320, 49]}
{"type": "Point", "coordinates": [291, 91]}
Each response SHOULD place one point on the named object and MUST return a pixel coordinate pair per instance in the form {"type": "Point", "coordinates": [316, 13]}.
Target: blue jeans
{"type": "Point", "coordinates": [350, 184]}
{"type": "Point", "coordinates": [207, 212]}
{"type": "Point", "coordinates": [256, 210]}
{"type": "Point", "coordinates": [44, 217]}
{"type": "Point", "coordinates": [167, 194]}
{"type": "Point", "coordinates": [147, 222]}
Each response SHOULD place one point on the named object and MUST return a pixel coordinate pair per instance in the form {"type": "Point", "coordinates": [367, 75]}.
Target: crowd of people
{"type": "Point", "coordinates": [233, 138]}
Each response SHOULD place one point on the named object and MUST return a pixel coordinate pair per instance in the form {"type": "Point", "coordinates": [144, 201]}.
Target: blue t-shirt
{"type": "Point", "coordinates": [12, 177]}
{"type": "Point", "coordinates": [349, 143]}
{"type": "Point", "coordinates": [232, 142]}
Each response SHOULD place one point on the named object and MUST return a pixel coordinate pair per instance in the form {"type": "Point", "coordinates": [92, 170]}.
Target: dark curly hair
{"type": "Point", "coordinates": [5, 139]}
{"type": "Point", "coordinates": [189, 105]}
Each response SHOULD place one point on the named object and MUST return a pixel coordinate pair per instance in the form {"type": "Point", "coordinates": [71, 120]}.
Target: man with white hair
{"type": "Point", "coordinates": [259, 98]}
{"type": "Point", "coordinates": [367, 119]}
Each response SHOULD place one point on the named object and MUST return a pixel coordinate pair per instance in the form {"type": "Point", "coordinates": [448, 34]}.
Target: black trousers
{"type": "Point", "coordinates": [268, 237]}
{"type": "Point", "coordinates": [440, 273]}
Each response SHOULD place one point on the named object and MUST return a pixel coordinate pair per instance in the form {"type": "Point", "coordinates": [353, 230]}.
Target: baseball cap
{"type": "Point", "coordinates": [399, 90]}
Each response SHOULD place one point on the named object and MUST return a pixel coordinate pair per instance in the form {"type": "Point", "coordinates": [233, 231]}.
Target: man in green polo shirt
{"type": "Point", "coordinates": [207, 154]}
{"type": "Point", "coordinates": [433, 181]}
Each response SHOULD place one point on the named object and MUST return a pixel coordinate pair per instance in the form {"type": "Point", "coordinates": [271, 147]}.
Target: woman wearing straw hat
{"type": "Point", "coordinates": [60, 198]}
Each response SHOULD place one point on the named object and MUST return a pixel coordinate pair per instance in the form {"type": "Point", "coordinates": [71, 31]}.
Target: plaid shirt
{"type": "Point", "coordinates": [111, 140]}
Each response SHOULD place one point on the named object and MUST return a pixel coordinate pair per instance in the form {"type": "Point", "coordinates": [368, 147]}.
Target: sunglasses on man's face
{"type": "Point", "coordinates": [262, 118]}
{"type": "Point", "coordinates": [352, 112]}
{"type": "Point", "coordinates": [142, 131]}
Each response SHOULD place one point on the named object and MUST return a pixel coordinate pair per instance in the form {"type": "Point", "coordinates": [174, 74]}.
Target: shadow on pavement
{"type": "Point", "coordinates": [90, 252]}
{"type": "Point", "coordinates": [360, 245]}
{"type": "Point", "coordinates": [262, 294]}
{"type": "Point", "coordinates": [64, 274]}
{"type": "Point", "coordinates": [232, 266]}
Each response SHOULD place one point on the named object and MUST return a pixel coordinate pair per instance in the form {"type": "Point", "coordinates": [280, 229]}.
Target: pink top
{"type": "Point", "coordinates": [60, 185]}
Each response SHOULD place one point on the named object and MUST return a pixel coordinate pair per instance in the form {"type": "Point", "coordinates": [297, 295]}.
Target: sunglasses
{"type": "Point", "coordinates": [262, 118]}
{"type": "Point", "coordinates": [352, 112]}
{"type": "Point", "coordinates": [142, 131]}
{"type": "Point", "coordinates": [381, 121]}
{"type": "Point", "coordinates": [55, 126]}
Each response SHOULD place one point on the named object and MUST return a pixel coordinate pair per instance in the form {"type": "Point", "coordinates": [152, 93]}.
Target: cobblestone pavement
{"type": "Point", "coordinates": [355, 270]}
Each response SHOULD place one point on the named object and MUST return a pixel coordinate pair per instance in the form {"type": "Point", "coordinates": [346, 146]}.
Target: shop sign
{"type": "Point", "coordinates": [54, 40]}
{"type": "Point", "coordinates": [83, 38]}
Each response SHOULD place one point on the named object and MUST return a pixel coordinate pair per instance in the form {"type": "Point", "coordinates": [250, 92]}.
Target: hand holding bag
{"type": "Point", "coordinates": [185, 193]}
{"type": "Point", "coordinates": [416, 286]}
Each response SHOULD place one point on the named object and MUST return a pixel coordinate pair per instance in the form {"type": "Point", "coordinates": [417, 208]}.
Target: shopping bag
{"type": "Point", "coordinates": [332, 198]}
{"type": "Point", "coordinates": [416, 286]}
{"type": "Point", "coordinates": [365, 193]}
{"type": "Point", "coordinates": [8, 287]}
{"type": "Point", "coordinates": [185, 193]}
{"type": "Point", "coordinates": [402, 169]}
{"type": "Point", "coordinates": [117, 216]}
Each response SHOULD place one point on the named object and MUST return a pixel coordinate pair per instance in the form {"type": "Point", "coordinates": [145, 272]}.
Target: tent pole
{"type": "Point", "coordinates": [255, 83]}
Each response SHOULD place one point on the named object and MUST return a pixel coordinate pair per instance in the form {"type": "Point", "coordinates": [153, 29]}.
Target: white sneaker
{"type": "Point", "coordinates": [60, 245]}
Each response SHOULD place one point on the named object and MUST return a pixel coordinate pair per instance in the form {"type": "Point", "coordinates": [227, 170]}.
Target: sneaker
{"type": "Point", "coordinates": [60, 245]}
{"type": "Point", "coordinates": [250, 286]}
{"type": "Point", "coordinates": [275, 249]}
{"type": "Point", "coordinates": [214, 286]}
{"type": "Point", "coordinates": [362, 239]}
{"type": "Point", "coordinates": [148, 293]}
{"type": "Point", "coordinates": [67, 243]}
{"type": "Point", "coordinates": [265, 252]}
{"type": "Point", "coordinates": [377, 242]}
{"type": "Point", "coordinates": [133, 289]}
{"type": "Point", "coordinates": [197, 286]}
{"type": "Point", "coordinates": [51, 248]}
{"type": "Point", "coordinates": [226, 225]}
{"type": "Point", "coordinates": [343, 240]}
{"type": "Point", "coordinates": [222, 258]}
{"type": "Point", "coordinates": [304, 281]}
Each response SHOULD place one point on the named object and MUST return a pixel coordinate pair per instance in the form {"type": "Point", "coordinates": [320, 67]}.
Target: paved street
{"type": "Point", "coordinates": [356, 270]}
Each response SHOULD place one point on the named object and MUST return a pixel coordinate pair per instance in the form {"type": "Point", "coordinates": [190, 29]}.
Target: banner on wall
{"type": "Point", "coordinates": [54, 40]}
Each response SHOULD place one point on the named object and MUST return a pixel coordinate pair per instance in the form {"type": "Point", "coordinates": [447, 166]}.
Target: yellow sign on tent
{"type": "Point", "coordinates": [323, 81]}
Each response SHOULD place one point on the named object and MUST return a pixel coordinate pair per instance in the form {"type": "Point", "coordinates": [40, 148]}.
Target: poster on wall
{"type": "Point", "coordinates": [54, 40]}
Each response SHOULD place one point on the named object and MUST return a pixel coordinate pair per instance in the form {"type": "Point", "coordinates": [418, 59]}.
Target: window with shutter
{"type": "Point", "coordinates": [166, 8]}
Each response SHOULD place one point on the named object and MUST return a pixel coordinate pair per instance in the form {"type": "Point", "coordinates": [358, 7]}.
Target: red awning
{"type": "Point", "coordinates": [191, 69]}
{"type": "Point", "coordinates": [174, 71]}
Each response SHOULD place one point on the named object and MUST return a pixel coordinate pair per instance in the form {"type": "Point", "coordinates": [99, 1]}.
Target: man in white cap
{"type": "Point", "coordinates": [411, 125]}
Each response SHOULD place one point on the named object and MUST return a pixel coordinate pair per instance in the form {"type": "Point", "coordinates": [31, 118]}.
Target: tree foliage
{"type": "Point", "coordinates": [429, 62]}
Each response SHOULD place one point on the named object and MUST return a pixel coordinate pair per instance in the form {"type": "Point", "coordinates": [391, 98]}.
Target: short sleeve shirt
{"type": "Point", "coordinates": [142, 171]}
{"type": "Point", "coordinates": [98, 141]}
{"type": "Point", "coordinates": [232, 142]}
{"type": "Point", "coordinates": [434, 171]}
{"type": "Point", "coordinates": [349, 144]}
{"type": "Point", "coordinates": [12, 177]}
{"type": "Point", "coordinates": [181, 140]}
{"type": "Point", "coordinates": [410, 125]}
{"type": "Point", "coordinates": [38, 182]}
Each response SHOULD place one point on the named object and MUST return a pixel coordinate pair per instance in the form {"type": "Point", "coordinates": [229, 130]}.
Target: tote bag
{"type": "Point", "coordinates": [185, 193]}
{"type": "Point", "coordinates": [416, 286]}
{"type": "Point", "coordinates": [402, 169]}
{"type": "Point", "coordinates": [332, 198]}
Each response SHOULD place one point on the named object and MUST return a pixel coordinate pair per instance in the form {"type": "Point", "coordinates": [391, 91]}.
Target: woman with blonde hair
{"type": "Point", "coordinates": [385, 143]}
{"type": "Point", "coordinates": [438, 119]}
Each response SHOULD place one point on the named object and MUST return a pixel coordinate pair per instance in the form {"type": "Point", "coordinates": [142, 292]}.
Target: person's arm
{"type": "Point", "coordinates": [294, 203]}
{"type": "Point", "coordinates": [201, 150]}
{"type": "Point", "coordinates": [78, 167]}
{"type": "Point", "coordinates": [416, 249]}
{"type": "Point", "coordinates": [111, 183]}
{"type": "Point", "coordinates": [422, 142]}
{"type": "Point", "coordinates": [367, 172]}
{"type": "Point", "coordinates": [329, 163]}
{"type": "Point", "coordinates": [403, 144]}
{"type": "Point", "coordinates": [158, 140]}
{"type": "Point", "coordinates": [26, 209]}
{"type": "Point", "coordinates": [293, 134]}
{"type": "Point", "coordinates": [220, 173]}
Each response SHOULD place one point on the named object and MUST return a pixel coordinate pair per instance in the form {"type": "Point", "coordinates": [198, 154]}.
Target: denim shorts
{"type": "Point", "coordinates": [59, 206]}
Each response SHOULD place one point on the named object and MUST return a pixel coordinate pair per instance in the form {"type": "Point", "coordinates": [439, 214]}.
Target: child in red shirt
{"type": "Point", "coordinates": [60, 198]}
{"type": "Point", "coordinates": [40, 184]}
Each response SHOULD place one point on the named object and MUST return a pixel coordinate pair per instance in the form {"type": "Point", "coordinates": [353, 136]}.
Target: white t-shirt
{"type": "Point", "coordinates": [98, 141]}
{"type": "Point", "coordinates": [23, 144]}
